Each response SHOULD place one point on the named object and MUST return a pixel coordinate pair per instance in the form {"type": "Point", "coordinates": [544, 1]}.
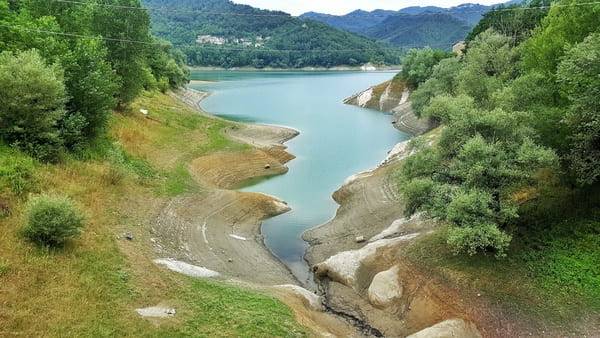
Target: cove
{"type": "Point", "coordinates": [335, 142]}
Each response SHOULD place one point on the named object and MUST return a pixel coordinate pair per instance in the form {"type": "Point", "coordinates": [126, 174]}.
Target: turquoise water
{"type": "Point", "coordinates": [335, 142]}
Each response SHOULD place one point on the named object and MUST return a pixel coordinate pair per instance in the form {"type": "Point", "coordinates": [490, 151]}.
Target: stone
{"type": "Point", "coordinates": [128, 236]}
{"type": "Point", "coordinates": [267, 166]}
{"type": "Point", "coordinates": [458, 328]}
{"type": "Point", "coordinates": [230, 260]}
{"type": "Point", "coordinates": [360, 239]}
{"type": "Point", "coordinates": [385, 288]}
{"type": "Point", "coordinates": [156, 312]}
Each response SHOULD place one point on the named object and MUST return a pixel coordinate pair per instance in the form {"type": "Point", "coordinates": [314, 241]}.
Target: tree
{"type": "Point", "coordinates": [442, 81]}
{"type": "Point", "coordinates": [92, 86]}
{"type": "Point", "coordinates": [488, 65]}
{"type": "Point", "coordinates": [128, 42]}
{"type": "Point", "coordinates": [418, 64]}
{"type": "Point", "coordinates": [567, 23]}
{"type": "Point", "coordinates": [514, 21]}
{"type": "Point", "coordinates": [33, 100]}
{"type": "Point", "coordinates": [579, 78]}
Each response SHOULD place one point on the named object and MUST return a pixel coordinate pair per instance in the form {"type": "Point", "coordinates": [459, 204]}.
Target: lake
{"type": "Point", "coordinates": [335, 142]}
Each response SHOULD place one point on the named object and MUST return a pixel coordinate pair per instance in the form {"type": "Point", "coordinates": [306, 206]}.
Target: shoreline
{"type": "Point", "coordinates": [234, 254]}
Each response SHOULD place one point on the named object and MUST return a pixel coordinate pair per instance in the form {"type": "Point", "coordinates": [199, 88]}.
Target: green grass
{"type": "Point", "coordinates": [91, 287]}
{"type": "Point", "coordinates": [552, 271]}
{"type": "Point", "coordinates": [219, 310]}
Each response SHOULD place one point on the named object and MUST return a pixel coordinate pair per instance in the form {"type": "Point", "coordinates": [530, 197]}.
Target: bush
{"type": "Point", "coordinates": [33, 101]}
{"type": "Point", "coordinates": [52, 220]}
{"type": "Point", "coordinates": [17, 172]}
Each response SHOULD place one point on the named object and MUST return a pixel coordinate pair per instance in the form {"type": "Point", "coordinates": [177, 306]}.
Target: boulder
{"type": "Point", "coordinates": [385, 288]}
{"type": "Point", "coordinates": [452, 328]}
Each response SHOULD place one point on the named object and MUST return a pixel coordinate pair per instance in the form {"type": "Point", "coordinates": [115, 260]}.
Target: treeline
{"type": "Point", "coordinates": [283, 41]}
{"type": "Point", "coordinates": [65, 66]}
{"type": "Point", "coordinates": [520, 112]}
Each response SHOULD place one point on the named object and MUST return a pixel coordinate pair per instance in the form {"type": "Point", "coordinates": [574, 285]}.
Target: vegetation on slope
{"type": "Point", "coordinates": [259, 38]}
{"type": "Point", "coordinates": [515, 169]}
{"type": "Point", "coordinates": [92, 285]}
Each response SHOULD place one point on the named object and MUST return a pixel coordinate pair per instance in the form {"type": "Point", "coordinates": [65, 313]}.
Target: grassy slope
{"type": "Point", "coordinates": [92, 286]}
{"type": "Point", "coordinates": [552, 272]}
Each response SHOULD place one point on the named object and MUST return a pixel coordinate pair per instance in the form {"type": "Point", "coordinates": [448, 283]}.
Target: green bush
{"type": "Point", "coordinates": [52, 220]}
{"type": "Point", "coordinates": [17, 172]}
{"type": "Point", "coordinates": [33, 101]}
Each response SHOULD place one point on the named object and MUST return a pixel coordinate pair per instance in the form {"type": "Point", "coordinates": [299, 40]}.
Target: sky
{"type": "Point", "coordinates": [297, 7]}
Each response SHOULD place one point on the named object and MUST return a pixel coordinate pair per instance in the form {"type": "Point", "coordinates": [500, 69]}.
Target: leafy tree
{"type": "Point", "coordinates": [33, 100]}
{"type": "Point", "coordinates": [442, 81]}
{"type": "Point", "coordinates": [489, 64]}
{"type": "Point", "coordinates": [121, 27]}
{"type": "Point", "coordinates": [92, 86]}
{"type": "Point", "coordinates": [418, 64]}
{"type": "Point", "coordinates": [566, 24]}
{"type": "Point", "coordinates": [579, 78]}
{"type": "Point", "coordinates": [514, 21]}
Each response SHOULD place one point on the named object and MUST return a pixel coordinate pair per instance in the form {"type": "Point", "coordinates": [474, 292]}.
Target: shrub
{"type": "Point", "coordinates": [33, 101]}
{"type": "Point", "coordinates": [52, 220]}
{"type": "Point", "coordinates": [17, 173]}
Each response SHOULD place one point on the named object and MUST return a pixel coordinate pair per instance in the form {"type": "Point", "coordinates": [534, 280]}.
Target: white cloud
{"type": "Point", "coordinates": [297, 7]}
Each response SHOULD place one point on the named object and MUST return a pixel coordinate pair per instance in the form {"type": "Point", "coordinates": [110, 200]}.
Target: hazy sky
{"type": "Point", "coordinates": [297, 7]}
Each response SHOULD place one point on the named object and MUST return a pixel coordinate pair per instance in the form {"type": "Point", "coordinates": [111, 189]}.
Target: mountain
{"type": "Point", "coordinates": [438, 30]}
{"type": "Point", "coordinates": [356, 22]}
{"type": "Point", "coordinates": [222, 33]}
{"type": "Point", "coordinates": [412, 26]}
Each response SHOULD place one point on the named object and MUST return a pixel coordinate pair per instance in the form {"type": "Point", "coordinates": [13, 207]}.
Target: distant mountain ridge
{"type": "Point", "coordinates": [414, 26]}
{"type": "Point", "coordinates": [225, 34]}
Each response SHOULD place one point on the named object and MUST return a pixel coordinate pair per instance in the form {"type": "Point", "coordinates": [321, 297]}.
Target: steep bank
{"type": "Point", "coordinates": [392, 97]}
{"type": "Point", "coordinates": [358, 260]}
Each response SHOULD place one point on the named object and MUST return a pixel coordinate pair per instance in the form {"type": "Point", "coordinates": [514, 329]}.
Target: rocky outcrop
{"type": "Point", "coordinates": [392, 97]}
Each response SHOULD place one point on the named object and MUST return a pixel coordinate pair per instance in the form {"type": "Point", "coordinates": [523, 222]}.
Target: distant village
{"type": "Point", "coordinates": [257, 42]}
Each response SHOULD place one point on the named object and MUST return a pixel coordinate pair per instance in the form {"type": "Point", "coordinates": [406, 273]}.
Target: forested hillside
{"type": "Point", "coordinates": [515, 172]}
{"type": "Point", "coordinates": [221, 33]}
{"type": "Point", "coordinates": [409, 27]}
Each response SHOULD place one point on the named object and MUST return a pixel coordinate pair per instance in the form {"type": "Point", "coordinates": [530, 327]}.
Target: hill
{"type": "Point", "coordinates": [429, 29]}
{"type": "Point", "coordinates": [414, 26]}
{"type": "Point", "coordinates": [222, 33]}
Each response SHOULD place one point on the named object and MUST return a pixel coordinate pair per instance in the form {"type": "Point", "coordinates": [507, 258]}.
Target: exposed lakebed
{"type": "Point", "coordinates": [335, 141]}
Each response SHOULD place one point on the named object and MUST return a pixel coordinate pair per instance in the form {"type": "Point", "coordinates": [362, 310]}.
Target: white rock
{"type": "Point", "coordinates": [156, 312]}
{"type": "Point", "coordinates": [365, 97]}
{"type": "Point", "coordinates": [360, 239]}
{"type": "Point", "coordinates": [343, 266]}
{"type": "Point", "coordinates": [358, 176]}
{"type": "Point", "coordinates": [186, 269]}
{"type": "Point", "coordinates": [240, 238]}
{"type": "Point", "coordinates": [396, 227]}
{"type": "Point", "coordinates": [453, 328]}
{"type": "Point", "coordinates": [385, 288]}
{"type": "Point", "coordinates": [313, 300]}
{"type": "Point", "coordinates": [399, 152]}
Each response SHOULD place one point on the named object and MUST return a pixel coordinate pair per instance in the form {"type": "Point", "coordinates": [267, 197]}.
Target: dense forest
{"type": "Point", "coordinates": [240, 35]}
{"type": "Point", "coordinates": [65, 66]}
{"type": "Point", "coordinates": [519, 152]}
